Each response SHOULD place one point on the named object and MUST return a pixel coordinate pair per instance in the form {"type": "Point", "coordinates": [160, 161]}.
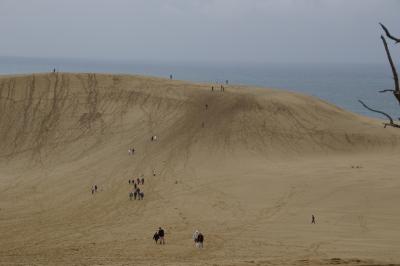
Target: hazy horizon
{"type": "Point", "coordinates": [199, 31]}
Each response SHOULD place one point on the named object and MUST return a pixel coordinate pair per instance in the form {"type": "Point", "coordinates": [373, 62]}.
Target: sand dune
{"type": "Point", "coordinates": [248, 172]}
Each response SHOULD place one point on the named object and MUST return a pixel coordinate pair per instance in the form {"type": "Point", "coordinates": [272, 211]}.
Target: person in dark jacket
{"type": "Point", "coordinates": [156, 237]}
{"type": "Point", "coordinates": [161, 234]}
{"type": "Point", "coordinates": [200, 240]}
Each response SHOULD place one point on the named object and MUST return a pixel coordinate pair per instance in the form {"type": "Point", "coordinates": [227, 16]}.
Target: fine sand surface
{"type": "Point", "coordinates": [248, 172]}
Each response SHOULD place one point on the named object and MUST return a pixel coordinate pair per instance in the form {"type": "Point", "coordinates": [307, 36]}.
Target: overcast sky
{"type": "Point", "coordinates": [262, 31]}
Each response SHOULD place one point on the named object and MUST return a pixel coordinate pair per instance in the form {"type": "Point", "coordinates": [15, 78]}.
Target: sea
{"type": "Point", "coordinates": [340, 84]}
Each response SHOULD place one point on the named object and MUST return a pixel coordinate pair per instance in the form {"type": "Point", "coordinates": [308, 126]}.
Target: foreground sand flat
{"type": "Point", "coordinates": [248, 171]}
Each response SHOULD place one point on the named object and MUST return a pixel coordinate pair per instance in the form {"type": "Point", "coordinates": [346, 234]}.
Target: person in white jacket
{"type": "Point", "coordinates": [195, 235]}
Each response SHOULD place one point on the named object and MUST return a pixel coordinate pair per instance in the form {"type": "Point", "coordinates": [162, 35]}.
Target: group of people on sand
{"type": "Point", "coordinates": [94, 189]}
{"type": "Point", "coordinates": [159, 237]}
{"type": "Point", "coordinates": [198, 239]}
{"type": "Point", "coordinates": [136, 193]}
{"type": "Point", "coordinates": [222, 88]}
{"type": "Point", "coordinates": [138, 181]}
{"type": "Point", "coordinates": [131, 151]}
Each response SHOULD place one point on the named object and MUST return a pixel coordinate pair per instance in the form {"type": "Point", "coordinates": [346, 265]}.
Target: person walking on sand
{"type": "Point", "coordinates": [312, 219]}
{"type": "Point", "coordinates": [142, 180]}
{"type": "Point", "coordinates": [200, 240]}
{"type": "Point", "coordinates": [195, 235]}
{"type": "Point", "coordinates": [130, 195]}
{"type": "Point", "coordinates": [134, 195]}
{"type": "Point", "coordinates": [161, 235]}
{"type": "Point", "coordinates": [154, 172]}
{"type": "Point", "coordinates": [95, 188]}
{"type": "Point", "coordinates": [156, 237]}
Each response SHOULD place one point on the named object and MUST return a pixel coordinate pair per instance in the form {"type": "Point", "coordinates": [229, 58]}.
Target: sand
{"type": "Point", "coordinates": [248, 172]}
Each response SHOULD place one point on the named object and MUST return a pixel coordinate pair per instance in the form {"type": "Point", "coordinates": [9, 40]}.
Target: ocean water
{"type": "Point", "coordinates": [340, 84]}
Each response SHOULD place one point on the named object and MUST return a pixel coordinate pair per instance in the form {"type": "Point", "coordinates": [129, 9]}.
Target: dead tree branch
{"type": "Point", "coordinates": [391, 123]}
{"type": "Point", "coordinates": [386, 91]}
{"type": "Point", "coordinates": [396, 92]}
{"type": "Point", "coordinates": [390, 36]}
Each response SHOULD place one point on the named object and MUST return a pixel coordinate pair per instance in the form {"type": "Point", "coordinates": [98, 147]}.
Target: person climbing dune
{"type": "Point", "coordinates": [200, 240]}
{"type": "Point", "coordinates": [195, 235]}
{"type": "Point", "coordinates": [161, 235]}
{"type": "Point", "coordinates": [156, 237]}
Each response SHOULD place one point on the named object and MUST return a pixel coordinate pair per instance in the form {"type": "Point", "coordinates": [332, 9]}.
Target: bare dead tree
{"type": "Point", "coordinates": [396, 90]}
{"type": "Point", "coordinates": [390, 36]}
{"type": "Point", "coordinates": [391, 122]}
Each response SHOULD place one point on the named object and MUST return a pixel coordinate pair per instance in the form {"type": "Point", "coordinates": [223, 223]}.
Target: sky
{"type": "Point", "coordinates": [207, 31]}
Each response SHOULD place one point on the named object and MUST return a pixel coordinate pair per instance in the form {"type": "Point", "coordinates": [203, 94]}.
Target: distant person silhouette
{"type": "Point", "coordinates": [161, 235]}
{"type": "Point", "coordinates": [312, 219]}
{"type": "Point", "coordinates": [156, 237]}
{"type": "Point", "coordinates": [200, 240]}
{"type": "Point", "coordinates": [195, 236]}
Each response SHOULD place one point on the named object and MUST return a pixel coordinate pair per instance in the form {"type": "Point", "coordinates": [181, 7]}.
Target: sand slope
{"type": "Point", "coordinates": [248, 171]}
